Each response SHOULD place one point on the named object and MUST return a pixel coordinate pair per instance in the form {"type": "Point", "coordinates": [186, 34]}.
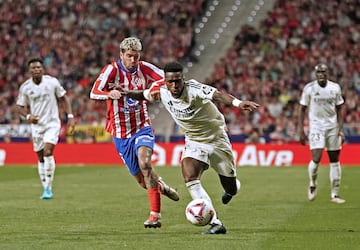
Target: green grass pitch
{"type": "Point", "coordinates": [103, 208]}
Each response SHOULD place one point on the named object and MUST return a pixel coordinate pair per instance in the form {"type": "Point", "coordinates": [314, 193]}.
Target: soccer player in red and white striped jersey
{"type": "Point", "coordinates": [128, 121]}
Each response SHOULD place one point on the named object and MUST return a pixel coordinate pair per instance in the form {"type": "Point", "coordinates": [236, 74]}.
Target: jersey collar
{"type": "Point", "coordinates": [124, 69]}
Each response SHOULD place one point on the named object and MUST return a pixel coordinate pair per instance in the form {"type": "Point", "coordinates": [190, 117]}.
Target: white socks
{"type": "Point", "coordinates": [198, 192]}
{"type": "Point", "coordinates": [313, 172]}
{"type": "Point", "coordinates": [41, 171]}
{"type": "Point", "coordinates": [49, 169]}
{"type": "Point", "coordinates": [335, 178]}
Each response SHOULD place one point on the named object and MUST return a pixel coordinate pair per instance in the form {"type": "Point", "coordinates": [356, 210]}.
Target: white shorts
{"type": "Point", "coordinates": [44, 134]}
{"type": "Point", "coordinates": [218, 155]}
{"type": "Point", "coordinates": [324, 138]}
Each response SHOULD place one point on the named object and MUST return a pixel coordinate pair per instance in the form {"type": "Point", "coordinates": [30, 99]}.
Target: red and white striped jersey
{"type": "Point", "coordinates": [125, 116]}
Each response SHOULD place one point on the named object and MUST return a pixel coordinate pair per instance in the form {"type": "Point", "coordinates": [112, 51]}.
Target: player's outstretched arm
{"type": "Point", "coordinates": [231, 100]}
{"type": "Point", "coordinates": [247, 105]}
{"type": "Point", "coordinates": [116, 92]}
{"type": "Point", "coordinates": [151, 94]}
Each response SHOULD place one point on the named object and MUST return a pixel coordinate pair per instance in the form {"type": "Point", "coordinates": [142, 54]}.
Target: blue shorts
{"type": "Point", "coordinates": [128, 148]}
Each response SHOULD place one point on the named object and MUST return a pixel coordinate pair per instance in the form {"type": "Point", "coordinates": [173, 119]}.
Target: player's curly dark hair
{"type": "Point", "coordinates": [35, 60]}
{"type": "Point", "coordinates": [173, 67]}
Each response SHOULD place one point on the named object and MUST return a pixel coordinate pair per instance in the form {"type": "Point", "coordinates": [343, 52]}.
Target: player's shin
{"type": "Point", "coordinates": [41, 171]}
{"type": "Point", "coordinates": [154, 199]}
{"type": "Point", "coordinates": [49, 166]}
{"type": "Point", "coordinates": [198, 192]}
{"type": "Point", "coordinates": [313, 173]}
{"type": "Point", "coordinates": [335, 178]}
{"type": "Point", "coordinates": [154, 220]}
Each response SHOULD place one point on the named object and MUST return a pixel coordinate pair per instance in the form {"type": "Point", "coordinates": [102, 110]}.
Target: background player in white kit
{"type": "Point", "coordinates": [206, 141]}
{"type": "Point", "coordinates": [324, 99]}
{"type": "Point", "coordinates": [38, 100]}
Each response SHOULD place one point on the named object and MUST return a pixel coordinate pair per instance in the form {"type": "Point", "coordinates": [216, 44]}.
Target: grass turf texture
{"type": "Point", "coordinates": [103, 208]}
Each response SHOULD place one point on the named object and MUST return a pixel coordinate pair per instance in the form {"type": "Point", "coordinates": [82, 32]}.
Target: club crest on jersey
{"type": "Point", "coordinates": [206, 90]}
{"type": "Point", "coordinates": [137, 81]}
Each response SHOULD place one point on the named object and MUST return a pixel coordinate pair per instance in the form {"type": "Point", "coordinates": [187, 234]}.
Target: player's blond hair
{"type": "Point", "coordinates": [130, 43]}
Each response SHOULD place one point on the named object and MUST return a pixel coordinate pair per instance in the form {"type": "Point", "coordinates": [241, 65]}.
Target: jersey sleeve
{"type": "Point", "coordinates": [99, 90]}
{"type": "Point", "coordinates": [203, 91]}
{"type": "Point", "coordinates": [21, 99]}
{"type": "Point", "coordinates": [339, 97]}
{"type": "Point", "coordinates": [305, 98]}
{"type": "Point", "coordinates": [59, 89]}
{"type": "Point", "coordinates": [151, 72]}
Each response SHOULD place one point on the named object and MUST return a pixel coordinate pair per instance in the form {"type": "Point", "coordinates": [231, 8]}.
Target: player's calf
{"type": "Point", "coordinates": [226, 197]}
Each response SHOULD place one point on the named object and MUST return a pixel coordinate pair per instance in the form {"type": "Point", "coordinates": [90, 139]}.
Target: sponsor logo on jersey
{"type": "Point", "coordinates": [131, 102]}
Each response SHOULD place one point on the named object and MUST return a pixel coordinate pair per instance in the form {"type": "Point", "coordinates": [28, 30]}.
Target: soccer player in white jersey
{"type": "Point", "coordinates": [206, 141]}
{"type": "Point", "coordinates": [38, 100]}
{"type": "Point", "coordinates": [324, 100]}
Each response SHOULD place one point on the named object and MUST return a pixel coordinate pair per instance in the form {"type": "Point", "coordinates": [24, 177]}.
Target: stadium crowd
{"type": "Point", "coordinates": [269, 65]}
{"type": "Point", "coordinates": [272, 65]}
{"type": "Point", "coordinates": [76, 38]}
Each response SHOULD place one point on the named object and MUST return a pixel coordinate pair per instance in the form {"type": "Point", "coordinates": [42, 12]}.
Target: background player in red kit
{"type": "Point", "coordinates": [128, 121]}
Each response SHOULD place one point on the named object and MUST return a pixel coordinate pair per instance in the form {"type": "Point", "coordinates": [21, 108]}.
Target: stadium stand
{"type": "Point", "coordinates": [272, 64]}
{"type": "Point", "coordinates": [76, 38]}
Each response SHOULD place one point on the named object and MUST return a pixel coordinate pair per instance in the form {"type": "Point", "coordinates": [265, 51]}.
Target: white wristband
{"type": "Point", "coordinates": [146, 94]}
{"type": "Point", "coordinates": [28, 117]}
{"type": "Point", "coordinates": [70, 116]}
{"type": "Point", "coordinates": [236, 102]}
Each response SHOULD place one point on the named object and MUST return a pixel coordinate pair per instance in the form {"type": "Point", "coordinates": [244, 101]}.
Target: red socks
{"type": "Point", "coordinates": [154, 198]}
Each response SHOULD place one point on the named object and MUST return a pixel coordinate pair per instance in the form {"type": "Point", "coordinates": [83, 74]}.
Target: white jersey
{"type": "Point", "coordinates": [42, 99]}
{"type": "Point", "coordinates": [322, 102]}
{"type": "Point", "coordinates": [194, 111]}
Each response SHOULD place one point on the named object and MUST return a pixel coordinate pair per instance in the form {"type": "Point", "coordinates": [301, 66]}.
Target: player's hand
{"type": "Point", "coordinates": [114, 94]}
{"type": "Point", "coordinates": [248, 105]}
{"type": "Point", "coordinates": [154, 92]}
{"type": "Point", "coordinates": [71, 125]}
{"type": "Point", "coordinates": [34, 119]}
{"type": "Point", "coordinates": [302, 138]}
{"type": "Point", "coordinates": [342, 137]}
{"type": "Point", "coordinates": [114, 86]}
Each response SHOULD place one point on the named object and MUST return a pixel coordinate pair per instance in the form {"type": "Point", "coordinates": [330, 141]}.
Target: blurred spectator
{"type": "Point", "coordinates": [6, 139]}
{"type": "Point", "coordinates": [87, 136]}
{"type": "Point", "coordinates": [76, 38]}
{"type": "Point", "coordinates": [271, 65]}
{"type": "Point", "coordinates": [255, 137]}
{"type": "Point", "coordinates": [268, 65]}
